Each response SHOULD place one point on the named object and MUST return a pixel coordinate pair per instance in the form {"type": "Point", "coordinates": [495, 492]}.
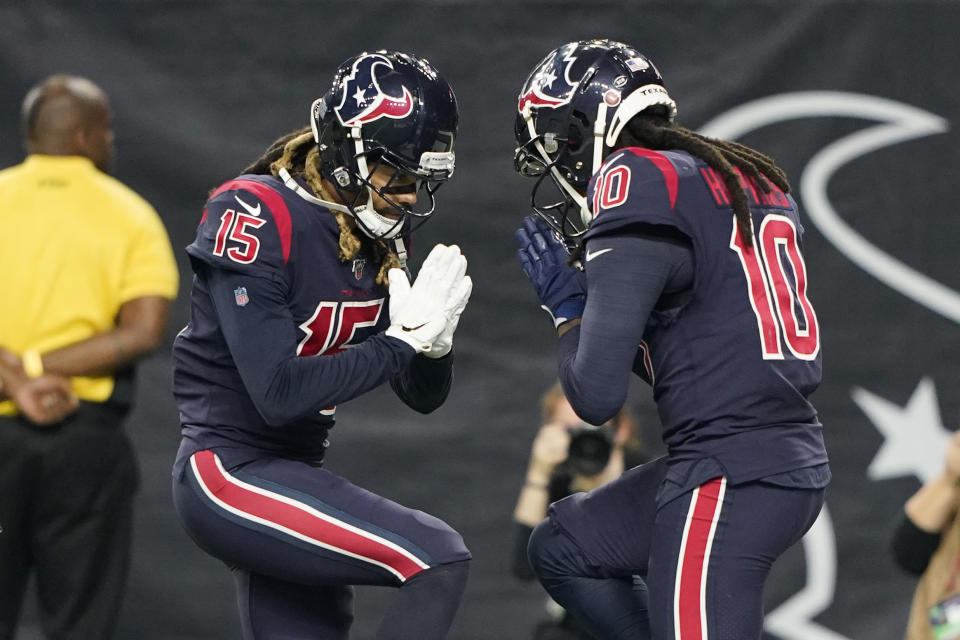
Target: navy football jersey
{"type": "Point", "coordinates": [281, 330]}
{"type": "Point", "coordinates": [732, 367]}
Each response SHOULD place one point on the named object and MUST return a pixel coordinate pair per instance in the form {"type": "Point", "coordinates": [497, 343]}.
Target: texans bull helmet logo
{"type": "Point", "coordinates": [550, 84]}
{"type": "Point", "coordinates": [364, 100]}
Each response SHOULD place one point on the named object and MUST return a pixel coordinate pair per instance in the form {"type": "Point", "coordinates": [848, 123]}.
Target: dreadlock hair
{"type": "Point", "coordinates": [655, 132]}
{"type": "Point", "coordinates": [297, 153]}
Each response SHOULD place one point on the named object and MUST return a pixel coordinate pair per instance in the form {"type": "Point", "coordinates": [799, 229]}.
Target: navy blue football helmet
{"type": "Point", "coordinates": [570, 112]}
{"type": "Point", "coordinates": [386, 109]}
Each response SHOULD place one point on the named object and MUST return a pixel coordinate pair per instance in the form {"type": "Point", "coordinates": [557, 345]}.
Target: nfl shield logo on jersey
{"type": "Point", "coordinates": [358, 267]}
{"type": "Point", "coordinates": [240, 295]}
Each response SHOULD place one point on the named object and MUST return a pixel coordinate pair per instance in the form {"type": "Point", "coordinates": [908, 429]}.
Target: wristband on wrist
{"type": "Point", "coordinates": [32, 363]}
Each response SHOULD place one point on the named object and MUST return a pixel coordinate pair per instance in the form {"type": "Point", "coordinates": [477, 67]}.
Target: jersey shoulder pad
{"type": "Point", "coordinates": [636, 186]}
{"type": "Point", "coordinates": [246, 226]}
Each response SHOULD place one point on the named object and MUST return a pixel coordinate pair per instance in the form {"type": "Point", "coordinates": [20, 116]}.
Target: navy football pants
{"type": "Point", "coordinates": [704, 556]}
{"type": "Point", "coordinates": [296, 538]}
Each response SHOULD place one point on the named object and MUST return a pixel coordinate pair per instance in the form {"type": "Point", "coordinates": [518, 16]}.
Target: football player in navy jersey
{"type": "Point", "coordinates": [301, 301]}
{"type": "Point", "coordinates": [686, 269]}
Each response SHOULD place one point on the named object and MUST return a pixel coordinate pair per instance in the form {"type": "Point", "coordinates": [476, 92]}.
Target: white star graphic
{"type": "Point", "coordinates": [914, 437]}
{"type": "Point", "coordinates": [359, 96]}
{"type": "Point", "coordinates": [548, 80]}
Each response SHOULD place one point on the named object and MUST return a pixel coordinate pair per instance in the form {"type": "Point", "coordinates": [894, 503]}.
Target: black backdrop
{"type": "Point", "coordinates": [199, 89]}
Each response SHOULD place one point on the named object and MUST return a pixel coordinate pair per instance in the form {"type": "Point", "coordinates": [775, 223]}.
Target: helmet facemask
{"type": "Point", "coordinates": [369, 190]}
{"type": "Point", "coordinates": [559, 200]}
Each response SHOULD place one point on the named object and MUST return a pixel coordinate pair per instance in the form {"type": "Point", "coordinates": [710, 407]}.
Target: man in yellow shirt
{"type": "Point", "coordinates": [88, 276]}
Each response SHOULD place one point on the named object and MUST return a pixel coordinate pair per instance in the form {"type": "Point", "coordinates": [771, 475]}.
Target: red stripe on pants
{"type": "Point", "coordinates": [297, 518]}
{"type": "Point", "coordinates": [694, 560]}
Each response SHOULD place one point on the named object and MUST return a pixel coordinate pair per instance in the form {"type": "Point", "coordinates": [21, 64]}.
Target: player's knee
{"type": "Point", "coordinates": [446, 581]}
{"type": "Point", "coordinates": [441, 541]}
{"type": "Point", "coordinates": [456, 549]}
{"type": "Point", "coordinates": [545, 550]}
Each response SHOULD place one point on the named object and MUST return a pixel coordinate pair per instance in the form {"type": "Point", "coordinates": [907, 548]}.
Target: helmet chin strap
{"type": "Point", "coordinates": [372, 224]}
{"type": "Point", "coordinates": [292, 184]}
{"type": "Point", "coordinates": [599, 126]}
{"type": "Point", "coordinates": [401, 250]}
{"type": "Point", "coordinates": [375, 225]}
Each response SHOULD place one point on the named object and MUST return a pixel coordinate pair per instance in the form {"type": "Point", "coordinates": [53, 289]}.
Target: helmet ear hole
{"type": "Point", "coordinates": [574, 139]}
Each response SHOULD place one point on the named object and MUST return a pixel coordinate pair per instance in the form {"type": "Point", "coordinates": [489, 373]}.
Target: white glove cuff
{"type": "Point", "coordinates": [418, 345]}
{"type": "Point", "coordinates": [438, 351]}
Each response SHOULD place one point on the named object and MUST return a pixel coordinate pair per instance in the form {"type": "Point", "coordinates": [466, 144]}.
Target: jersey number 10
{"type": "Point", "coordinates": [777, 286]}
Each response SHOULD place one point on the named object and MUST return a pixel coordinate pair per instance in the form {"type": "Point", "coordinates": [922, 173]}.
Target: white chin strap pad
{"type": "Point", "coordinates": [371, 220]}
{"type": "Point", "coordinates": [373, 224]}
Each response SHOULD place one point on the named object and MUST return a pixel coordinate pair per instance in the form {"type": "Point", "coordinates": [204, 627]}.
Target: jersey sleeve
{"type": "Point", "coordinates": [425, 383]}
{"type": "Point", "coordinates": [635, 186]}
{"type": "Point", "coordinates": [261, 336]}
{"type": "Point", "coordinates": [246, 228]}
{"type": "Point", "coordinates": [596, 358]}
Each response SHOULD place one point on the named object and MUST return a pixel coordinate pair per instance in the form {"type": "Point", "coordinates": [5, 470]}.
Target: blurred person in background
{"type": "Point", "coordinates": [88, 279]}
{"type": "Point", "coordinates": [568, 456]}
{"type": "Point", "coordinates": [301, 301]}
{"type": "Point", "coordinates": [926, 543]}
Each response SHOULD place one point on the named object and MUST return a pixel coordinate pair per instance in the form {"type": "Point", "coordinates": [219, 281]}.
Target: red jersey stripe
{"type": "Point", "coordinates": [661, 162]}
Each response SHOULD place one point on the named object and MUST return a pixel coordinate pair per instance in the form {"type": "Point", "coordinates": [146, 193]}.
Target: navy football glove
{"type": "Point", "coordinates": [562, 289]}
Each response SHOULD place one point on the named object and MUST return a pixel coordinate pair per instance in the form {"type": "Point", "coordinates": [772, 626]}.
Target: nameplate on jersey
{"type": "Point", "coordinates": [775, 198]}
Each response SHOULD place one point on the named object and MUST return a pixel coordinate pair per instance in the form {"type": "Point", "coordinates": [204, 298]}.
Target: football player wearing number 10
{"type": "Point", "coordinates": [301, 301]}
{"type": "Point", "coordinates": [687, 270]}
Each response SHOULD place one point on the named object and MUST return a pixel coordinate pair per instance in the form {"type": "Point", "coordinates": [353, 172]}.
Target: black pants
{"type": "Point", "coordinates": [65, 511]}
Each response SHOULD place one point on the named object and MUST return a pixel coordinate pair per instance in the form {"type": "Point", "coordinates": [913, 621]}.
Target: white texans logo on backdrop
{"type": "Point", "coordinates": [910, 432]}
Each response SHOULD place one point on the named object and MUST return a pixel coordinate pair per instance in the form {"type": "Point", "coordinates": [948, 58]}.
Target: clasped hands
{"type": "Point", "coordinates": [426, 313]}
{"type": "Point", "coordinates": [43, 400]}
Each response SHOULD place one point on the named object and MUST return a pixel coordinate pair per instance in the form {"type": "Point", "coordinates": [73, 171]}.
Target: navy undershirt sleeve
{"type": "Point", "coordinates": [626, 275]}
{"type": "Point", "coordinates": [425, 383]}
{"type": "Point", "coordinates": [262, 339]}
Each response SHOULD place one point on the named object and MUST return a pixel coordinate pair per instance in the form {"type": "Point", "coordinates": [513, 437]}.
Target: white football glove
{"type": "Point", "coordinates": [420, 313]}
{"type": "Point", "coordinates": [455, 306]}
